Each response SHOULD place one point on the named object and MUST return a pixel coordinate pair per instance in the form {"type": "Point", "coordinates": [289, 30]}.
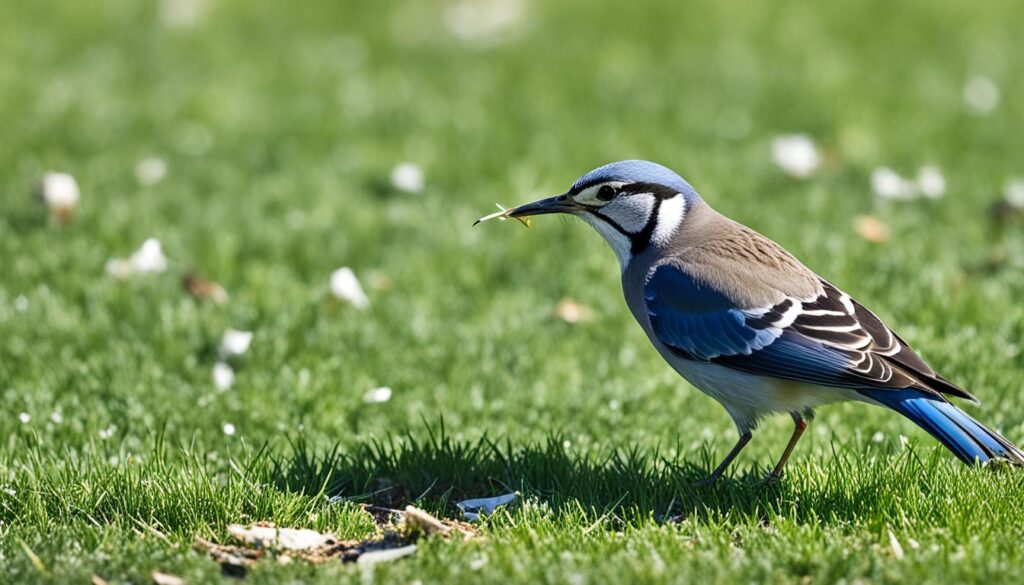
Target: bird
{"type": "Point", "coordinates": [748, 324]}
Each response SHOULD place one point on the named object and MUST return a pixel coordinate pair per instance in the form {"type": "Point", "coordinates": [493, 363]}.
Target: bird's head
{"type": "Point", "coordinates": [633, 204]}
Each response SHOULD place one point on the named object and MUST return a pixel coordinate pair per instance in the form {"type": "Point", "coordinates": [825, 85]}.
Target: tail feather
{"type": "Point", "coordinates": [970, 440]}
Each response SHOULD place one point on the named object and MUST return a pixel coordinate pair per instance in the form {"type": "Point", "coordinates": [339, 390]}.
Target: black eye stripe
{"type": "Point", "coordinates": [659, 192]}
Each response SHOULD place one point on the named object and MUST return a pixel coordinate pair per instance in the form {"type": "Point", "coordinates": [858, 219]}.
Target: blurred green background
{"type": "Point", "coordinates": [279, 126]}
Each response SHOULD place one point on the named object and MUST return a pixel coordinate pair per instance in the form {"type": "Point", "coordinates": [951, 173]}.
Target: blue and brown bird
{"type": "Point", "coordinates": [749, 325]}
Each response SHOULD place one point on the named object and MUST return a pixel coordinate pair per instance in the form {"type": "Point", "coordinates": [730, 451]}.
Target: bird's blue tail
{"type": "Point", "coordinates": [970, 440]}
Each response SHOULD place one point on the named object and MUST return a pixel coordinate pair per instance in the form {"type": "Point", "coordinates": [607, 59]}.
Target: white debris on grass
{"type": "Point", "coordinates": [931, 182]}
{"type": "Point", "coordinates": [894, 545]}
{"type": "Point", "coordinates": [981, 94]}
{"type": "Point", "coordinates": [280, 538]}
{"type": "Point", "coordinates": [229, 429]}
{"type": "Point", "coordinates": [407, 177]}
{"type": "Point", "coordinates": [25, 418]}
{"type": "Point", "coordinates": [57, 417]}
{"type": "Point", "coordinates": [108, 432]}
{"type": "Point", "coordinates": [1013, 191]}
{"type": "Point", "coordinates": [387, 554]}
{"type": "Point", "coordinates": [150, 171]}
{"type": "Point", "coordinates": [377, 395]}
{"type": "Point", "coordinates": [60, 193]}
{"type": "Point", "coordinates": [796, 154]}
{"type": "Point", "coordinates": [473, 509]}
{"type": "Point", "coordinates": [345, 286]}
{"type": "Point", "coordinates": [235, 343]}
{"type": "Point", "coordinates": [182, 14]}
{"type": "Point", "coordinates": [165, 579]}
{"type": "Point", "coordinates": [484, 21]}
{"type": "Point", "coordinates": [889, 184]}
{"type": "Point", "coordinates": [223, 376]}
{"type": "Point", "coordinates": [148, 259]}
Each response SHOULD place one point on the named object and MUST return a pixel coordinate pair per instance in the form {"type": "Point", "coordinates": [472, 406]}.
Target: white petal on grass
{"type": "Point", "coordinates": [878, 437]}
{"type": "Point", "coordinates": [108, 432]}
{"type": "Point", "coordinates": [387, 554]}
{"type": "Point", "coordinates": [60, 192]}
{"type": "Point", "coordinates": [229, 429]}
{"type": "Point", "coordinates": [930, 182]}
{"type": "Point", "coordinates": [235, 343]}
{"type": "Point", "coordinates": [345, 286]}
{"type": "Point", "coordinates": [166, 579]}
{"type": "Point", "coordinates": [473, 509]}
{"type": "Point", "coordinates": [148, 259]}
{"type": "Point", "coordinates": [796, 154]}
{"type": "Point", "coordinates": [377, 395]}
{"type": "Point", "coordinates": [889, 184]}
{"type": "Point", "coordinates": [1013, 191]}
{"type": "Point", "coordinates": [25, 418]}
{"type": "Point", "coordinates": [182, 13]}
{"type": "Point", "coordinates": [484, 21]}
{"type": "Point", "coordinates": [57, 417]}
{"type": "Point", "coordinates": [407, 177]}
{"type": "Point", "coordinates": [280, 538]}
{"type": "Point", "coordinates": [981, 94]}
{"type": "Point", "coordinates": [894, 545]}
{"type": "Point", "coordinates": [223, 376]}
{"type": "Point", "coordinates": [150, 171]}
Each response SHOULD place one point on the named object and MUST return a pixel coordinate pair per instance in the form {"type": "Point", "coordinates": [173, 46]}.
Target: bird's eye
{"type": "Point", "coordinates": [606, 193]}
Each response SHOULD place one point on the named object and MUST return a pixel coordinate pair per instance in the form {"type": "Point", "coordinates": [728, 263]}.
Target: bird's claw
{"type": "Point", "coordinates": [706, 482]}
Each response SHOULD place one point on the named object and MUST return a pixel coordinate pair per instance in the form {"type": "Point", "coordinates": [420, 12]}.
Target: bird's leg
{"type": "Point", "coordinates": [740, 444]}
{"type": "Point", "coordinates": [798, 429]}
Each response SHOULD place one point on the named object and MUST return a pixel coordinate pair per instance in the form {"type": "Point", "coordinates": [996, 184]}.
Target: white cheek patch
{"type": "Point", "coordinates": [618, 241]}
{"type": "Point", "coordinates": [670, 215]}
{"type": "Point", "coordinates": [632, 212]}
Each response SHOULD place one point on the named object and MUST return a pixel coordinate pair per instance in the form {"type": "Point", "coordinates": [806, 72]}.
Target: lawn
{"type": "Point", "coordinates": [279, 125]}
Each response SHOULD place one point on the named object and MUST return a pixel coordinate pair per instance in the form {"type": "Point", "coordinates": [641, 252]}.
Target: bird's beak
{"type": "Point", "coordinates": [558, 204]}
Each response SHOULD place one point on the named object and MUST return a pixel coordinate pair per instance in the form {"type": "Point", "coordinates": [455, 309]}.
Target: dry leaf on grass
{"type": "Point", "coordinates": [290, 544]}
{"type": "Point", "coordinates": [871, 229]}
{"type": "Point", "coordinates": [200, 288]}
{"type": "Point", "coordinates": [572, 312]}
{"type": "Point", "coordinates": [416, 520]}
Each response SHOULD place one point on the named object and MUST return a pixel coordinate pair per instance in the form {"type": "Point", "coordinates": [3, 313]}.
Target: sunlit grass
{"type": "Point", "coordinates": [279, 127]}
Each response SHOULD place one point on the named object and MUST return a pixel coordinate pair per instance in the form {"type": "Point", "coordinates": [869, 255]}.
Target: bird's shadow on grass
{"type": "Point", "coordinates": [621, 485]}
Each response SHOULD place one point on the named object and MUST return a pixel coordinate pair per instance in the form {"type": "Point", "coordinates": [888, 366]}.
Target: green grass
{"type": "Point", "coordinates": [279, 124]}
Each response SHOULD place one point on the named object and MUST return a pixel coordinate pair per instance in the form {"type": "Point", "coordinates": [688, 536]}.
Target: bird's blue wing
{"type": "Point", "coordinates": [698, 320]}
{"type": "Point", "coordinates": [828, 340]}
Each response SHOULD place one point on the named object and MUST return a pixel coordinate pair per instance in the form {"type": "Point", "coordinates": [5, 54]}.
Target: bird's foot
{"type": "Point", "coordinates": [772, 478]}
{"type": "Point", "coordinates": [706, 482]}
